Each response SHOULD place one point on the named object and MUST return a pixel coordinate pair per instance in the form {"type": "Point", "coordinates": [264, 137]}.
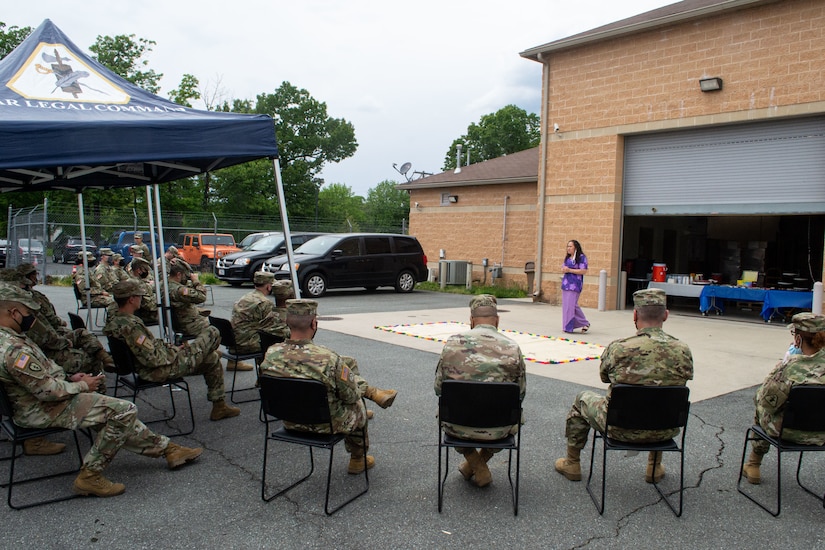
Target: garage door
{"type": "Point", "coordinates": [775, 167]}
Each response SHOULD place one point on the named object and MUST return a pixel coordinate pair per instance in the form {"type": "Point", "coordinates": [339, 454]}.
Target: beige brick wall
{"type": "Point", "coordinates": [771, 59]}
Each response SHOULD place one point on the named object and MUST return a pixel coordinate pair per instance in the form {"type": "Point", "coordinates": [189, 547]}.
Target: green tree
{"type": "Point", "coordinates": [124, 55]}
{"type": "Point", "coordinates": [386, 206]}
{"type": "Point", "coordinates": [508, 130]}
{"type": "Point", "coordinates": [339, 208]}
{"type": "Point", "coordinates": [188, 90]}
{"type": "Point", "coordinates": [11, 37]}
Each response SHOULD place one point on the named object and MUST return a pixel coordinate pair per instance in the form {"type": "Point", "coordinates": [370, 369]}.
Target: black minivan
{"type": "Point", "coordinates": [345, 260]}
{"type": "Point", "coordinates": [240, 267]}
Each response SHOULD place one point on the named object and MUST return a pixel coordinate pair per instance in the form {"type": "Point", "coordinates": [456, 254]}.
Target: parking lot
{"type": "Point", "coordinates": [216, 502]}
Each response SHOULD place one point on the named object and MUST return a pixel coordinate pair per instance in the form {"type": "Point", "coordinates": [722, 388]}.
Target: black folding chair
{"type": "Point", "coordinates": [76, 321]}
{"type": "Point", "coordinates": [127, 377]}
{"type": "Point", "coordinates": [97, 309]}
{"type": "Point", "coordinates": [479, 405]}
{"type": "Point", "coordinates": [16, 436]}
{"type": "Point", "coordinates": [804, 411]}
{"type": "Point", "coordinates": [301, 401]}
{"type": "Point", "coordinates": [224, 326]}
{"type": "Point", "coordinates": [633, 407]}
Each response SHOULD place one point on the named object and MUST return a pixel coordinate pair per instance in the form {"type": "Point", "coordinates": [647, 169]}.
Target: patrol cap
{"type": "Point", "coordinates": [10, 275]}
{"type": "Point", "coordinates": [12, 293]}
{"type": "Point", "coordinates": [178, 266]}
{"type": "Point", "coordinates": [301, 307]}
{"type": "Point", "coordinates": [137, 261]}
{"type": "Point", "coordinates": [127, 288]}
{"type": "Point", "coordinates": [483, 305]}
{"type": "Point", "coordinates": [117, 257]}
{"type": "Point", "coordinates": [89, 255]}
{"type": "Point", "coordinates": [26, 269]}
{"type": "Point", "coordinates": [106, 252]}
{"type": "Point", "coordinates": [135, 249]}
{"type": "Point", "coordinates": [263, 277]}
{"type": "Point", "coordinates": [808, 322]}
{"type": "Point", "coordinates": [649, 297]}
{"type": "Point", "coordinates": [282, 289]}
{"type": "Point", "coordinates": [173, 250]}
{"type": "Point", "coordinates": [139, 235]}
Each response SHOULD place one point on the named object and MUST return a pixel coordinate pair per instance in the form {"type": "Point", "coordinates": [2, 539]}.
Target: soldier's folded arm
{"type": "Point", "coordinates": [41, 385]}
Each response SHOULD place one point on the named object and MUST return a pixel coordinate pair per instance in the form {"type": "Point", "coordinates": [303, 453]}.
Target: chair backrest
{"type": "Point", "coordinates": [805, 409]}
{"type": "Point", "coordinates": [635, 407]}
{"type": "Point", "coordinates": [225, 328]}
{"type": "Point", "coordinates": [77, 293]}
{"type": "Point", "coordinates": [267, 340]}
{"type": "Point", "coordinates": [76, 321]}
{"type": "Point", "coordinates": [479, 404]}
{"type": "Point", "coordinates": [5, 403]}
{"type": "Point", "coordinates": [125, 362]}
{"type": "Point", "coordinates": [297, 400]}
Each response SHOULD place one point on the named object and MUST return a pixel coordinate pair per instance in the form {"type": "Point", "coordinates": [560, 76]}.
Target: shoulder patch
{"type": "Point", "coordinates": [22, 360]}
{"type": "Point", "coordinates": [185, 291]}
{"type": "Point", "coordinates": [345, 371]}
{"type": "Point", "coordinates": [140, 339]}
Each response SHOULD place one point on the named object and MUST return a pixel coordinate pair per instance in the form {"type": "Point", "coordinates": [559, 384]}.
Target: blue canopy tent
{"type": "Point", "coordinates": [67, 122]}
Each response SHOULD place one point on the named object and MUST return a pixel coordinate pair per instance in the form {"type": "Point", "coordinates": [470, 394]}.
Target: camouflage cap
{"type": "Point", "coordinates": [106, 252]}
{"type": "Point", "coordinates": [127, 288]}
{"type": "Point", "coordinates": [13, 293]}
{"type": "Point", "coordinates": [282, 289]}
{"type": "Point", "coordinates": [808, 322]}
{"type": "Point", "coordinates": [135, 249]}
{"type": "Point", "coordinates": [173, 250]}
{"type": "Point", "coordinates": [89, 255]}
{"type": "Point", "coordinates": [26, 269]}
{"type": "Point", "coordinates": [178, 265]}
{"type": "Point", "coordinates": [10, 274]}
{"type": "Point", "coordinates": [137, 261]}
{"type": "Point", "coordinates": [483, 305]}
{"type": "Point", "coordinates": [301, 307]}
{"type": "Point", "coordinates": [139, 235]}
{"type": "Point", "coordinates": [263, 277]}
{"type": "Point", "coordinates": [117, 257]}
{"type": "Point", "coordinates": [649, 297]}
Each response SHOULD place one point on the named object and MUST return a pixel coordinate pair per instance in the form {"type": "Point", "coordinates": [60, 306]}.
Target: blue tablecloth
{"type": "Point", "coordinates": [771, 299]}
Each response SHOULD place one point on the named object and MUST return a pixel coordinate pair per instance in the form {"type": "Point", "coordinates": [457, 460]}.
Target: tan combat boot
{"type": "Point", "coordinates": [106, 360]}
{"type": "Point", "coordinates": [88, 483]}
{"type": "Point", "coordinates": [177, 455]}
{"type": "Point", "coordinates": [481, 473]}
{"type": "Point", "coordinates": [751, 468]}
{"type": "Point", "coordinates": [570, 466]}
{"type": "Point", "coordinates": [221, 410]}
{"type": "Point", "coordinates": [383, 398]}
{"type": "Point", "coordinates": [234, 365]}
{"type": "Point", "coordinates": [465, 469]}
{"type": "Point", "coordinates": [42, 446]}
{"type": "Point", "coordinates": [356, 463]}
{"type": "Point", "coordinates": [655, 469]}
{"type": "Point", "coordinates": [370, 414]}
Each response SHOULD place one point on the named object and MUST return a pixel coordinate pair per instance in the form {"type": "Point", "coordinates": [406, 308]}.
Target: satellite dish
{"type": "Point", "coordinates": [405, 168]}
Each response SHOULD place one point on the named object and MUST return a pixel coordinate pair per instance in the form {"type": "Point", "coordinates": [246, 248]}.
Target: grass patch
{"type": "Point", "coordinates": [508, 291]}
{"type": "Point", "coordinates": [59, 280]}
{"type": "Point", "coordinates": [209, 278]}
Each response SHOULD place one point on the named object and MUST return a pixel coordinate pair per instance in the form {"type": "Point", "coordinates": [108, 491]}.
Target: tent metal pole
{"type": "Point", "coordinates": [154, 264]}
{"type": "Point", "coordinates": [87, 289]}
{"type": "Point", "coordinates": [276, 164]}
{"type": "Point", "coordinates": [165, 312]}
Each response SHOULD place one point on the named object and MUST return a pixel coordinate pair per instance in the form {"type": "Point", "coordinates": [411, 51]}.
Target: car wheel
{"type": "Point", "coordinates": [315, 285]}
{"type": "Point", "coordinates": [205, 264]}
{"type": "Point", "coordinates": [235, 284]}
{"type": "Point", "coordinates": [55, 258]}
{"type": "Point", "coordinates": [405, 282]}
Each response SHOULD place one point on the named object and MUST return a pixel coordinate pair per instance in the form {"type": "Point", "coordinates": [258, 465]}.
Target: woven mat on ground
{"type": "Point", "coordinates": [547, 350]}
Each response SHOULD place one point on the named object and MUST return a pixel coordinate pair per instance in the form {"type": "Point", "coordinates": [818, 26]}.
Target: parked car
{"type": "Point", "coordinates": [202, 249]}
{"type": "Point", "coordinates": [33, 250]}
{"type": "Point", "coordinates": [344, 260]}
{"type": "Point", "coordinates": [239, 267]}
{"type": "Point", "coordinates": [252, 237]}
{"type": "Point", "coordinates": [3, 245]}
{"type": "Point", "coordinates": [66, 249]}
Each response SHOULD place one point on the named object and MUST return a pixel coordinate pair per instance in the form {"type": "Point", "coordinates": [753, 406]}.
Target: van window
{"type": "Point", "coordinates": [407, 246]}
{"type": "Point", "coordinates": [349, 247]}
{"type": "Point", "coordinates": [377, 245]}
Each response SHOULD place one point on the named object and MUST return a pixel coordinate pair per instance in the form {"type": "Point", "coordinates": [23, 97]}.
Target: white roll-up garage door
{"type": "Point", "coordinates": [775, 167]}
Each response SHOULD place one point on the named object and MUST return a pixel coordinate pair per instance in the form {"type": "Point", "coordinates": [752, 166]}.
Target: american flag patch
{"type": "Point", "coordinates": [185, 292]}
{"type": "Point", "coordinates": [141, 339]}
{"type": "Point", "coordinates": [345, 373]}
{"type": "Point", "coordinates": [22, 360]}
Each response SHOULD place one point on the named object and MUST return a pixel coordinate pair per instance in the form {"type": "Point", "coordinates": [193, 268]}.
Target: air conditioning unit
{"type": "Point", "coordinates": [454, 271]}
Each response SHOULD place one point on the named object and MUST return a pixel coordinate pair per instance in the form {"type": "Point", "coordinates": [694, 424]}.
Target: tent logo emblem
{"type": "Point", "coordinates": [54, 73]}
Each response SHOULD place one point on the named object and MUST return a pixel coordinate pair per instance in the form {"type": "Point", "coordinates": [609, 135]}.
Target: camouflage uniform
{"type": "Point", "coordinates": [42, 397]}
{"type": "Point", "coordinates": [650, 358]}
{"type": "Point", "coordinates": [99, 299]}
{"type": "Point", "coordinates": [148, 311]}
{"type": "Point", "coordinates": [159, 361]}
{"type": "Point", "coordinates": [118, 272]}
{"type": "Point", "coordinates": [184, 299]}
{"type": "Point", "coordinates": [485, 355]}
{"type": "Point", "coordinates": [102, 272]}
{"type": "Point", "coordinates": [253, 312]}
{"type": "Point", "coordinates": [345, 388]}
{"type": "Point", "coordinates": [147, 254]}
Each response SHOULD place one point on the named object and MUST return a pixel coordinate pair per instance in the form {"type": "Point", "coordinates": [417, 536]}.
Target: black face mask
{"type": "Point", "coordinates": [26, 322]}
{"type": "Point", "coordinates": [144, 274]}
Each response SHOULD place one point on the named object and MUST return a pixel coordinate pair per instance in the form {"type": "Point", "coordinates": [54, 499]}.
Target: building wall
{"type": "Point", "coordinates": [472, 228]}
{"type": "Point", "coordinates": [771, 59]}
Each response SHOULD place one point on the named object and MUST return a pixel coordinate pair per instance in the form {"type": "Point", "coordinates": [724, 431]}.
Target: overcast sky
{"type": "Point", "coordinates": [409, 76]}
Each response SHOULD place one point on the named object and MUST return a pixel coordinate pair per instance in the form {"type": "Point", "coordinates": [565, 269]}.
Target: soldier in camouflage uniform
{"type": "Point", "coordinates": [100, 298]}
{"type": "Point", "coordinates": [43, 396]}
{"type": "Point", "coordinates": [483, 355]}
{"type": "Point", "coordinates": [158, 361]}
{"type": "Point", "coordinates": [118, 270]}
{"type": "Point", "coordinates": [649, 358]}
{"type": "Point", "coordinates": [135, 267]}
{"type": "Point", "coordinates": [146, 254]}
{"type": "Point", "coordinates": [148, 312]}
{"type": "Point", "coordinates": [185, 293]}
{"type": "Point", "coordinates": [103, 271]}
{"type": "Point", "coordinates": [806, 368]}
{"type": "Point", "coordinates": [300, 357]}
{"type": "Point", "coordinates": [256, 311]}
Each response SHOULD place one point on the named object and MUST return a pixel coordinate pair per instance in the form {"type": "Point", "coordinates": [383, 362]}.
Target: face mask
{"type": "Point", "coordinates": [793, 350]}
{"type": "Point", "coordinates": [144, 274]}
{"type": "Point", "coordinates": [26, 322]}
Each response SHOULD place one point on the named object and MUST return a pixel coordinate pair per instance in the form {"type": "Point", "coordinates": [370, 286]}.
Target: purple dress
{"type": "Point", "coordinates": [571, 286]}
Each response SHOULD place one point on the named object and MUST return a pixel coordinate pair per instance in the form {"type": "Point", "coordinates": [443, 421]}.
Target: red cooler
{"type": "Point", "coordinates": [659, 273]}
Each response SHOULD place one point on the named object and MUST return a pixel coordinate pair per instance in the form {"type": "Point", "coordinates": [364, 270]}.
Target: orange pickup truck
{"type": "Point", "coordinates": [203, 249]}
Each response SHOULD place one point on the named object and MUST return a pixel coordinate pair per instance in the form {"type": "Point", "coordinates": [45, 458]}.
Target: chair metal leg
{"type": "Point", "coordinates": [233, 391]}
{"type": "Point", "coordinates": [442, 480]}
{"type": "Point", "coordinates": [282, 491]}
{"type": "Point", "coordinates": [799, 481]}
{"type": "Point", "coordinates": [681, 488]}
{"type": "Point", "coordinates": [599, 506]}
{"type": "Point", "coordinates": [755, 437]}
{"type": "Point", "coordinates": [11, 482]}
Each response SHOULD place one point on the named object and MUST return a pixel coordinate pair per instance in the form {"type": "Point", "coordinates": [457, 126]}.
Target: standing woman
{"type": "Point", "coordinates": [574, 269]}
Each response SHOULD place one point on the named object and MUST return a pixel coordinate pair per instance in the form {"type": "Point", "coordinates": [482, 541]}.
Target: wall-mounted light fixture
{"type": "Point", "coordinates": [453, 198]}
{"type": "Point", "coordinates": [710, 84]}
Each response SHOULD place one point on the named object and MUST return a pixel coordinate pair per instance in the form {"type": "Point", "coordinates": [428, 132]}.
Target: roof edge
{"type": "Point", "coordinates": [467, 183]}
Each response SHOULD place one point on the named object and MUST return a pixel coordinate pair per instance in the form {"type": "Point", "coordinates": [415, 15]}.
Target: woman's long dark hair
{"type": "Point", "coordinates": [579, 250]}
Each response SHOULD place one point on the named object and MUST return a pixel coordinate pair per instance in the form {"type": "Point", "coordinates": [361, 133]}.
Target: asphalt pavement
{"type": "Point", "coordinates": [215, 502]}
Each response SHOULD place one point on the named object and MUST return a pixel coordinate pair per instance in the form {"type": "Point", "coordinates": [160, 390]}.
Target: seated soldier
{"type": "Point", "coordinates": [103, 271]}
{"type": "Point", "coordinates": [185, 293]}
{"type": "Point", "coordinates": [99, 296]}
{"type": "Point", "coordinates": [42, 396]}
{"type": "Point", "coordinates": [256, 312]}
{"type": "Point", "coordinates": [300, 357]}
{"type": "Point", "coordinates": [158, 361]}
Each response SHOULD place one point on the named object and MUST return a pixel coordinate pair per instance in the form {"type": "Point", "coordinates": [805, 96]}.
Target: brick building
{"type": "Point", "coordinates": [692, 135]}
